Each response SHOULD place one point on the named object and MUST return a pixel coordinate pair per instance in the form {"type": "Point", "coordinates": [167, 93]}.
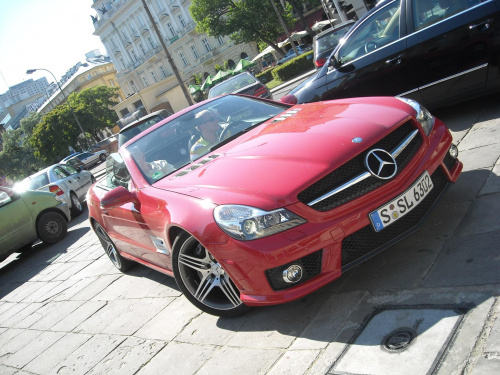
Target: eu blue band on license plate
{"type": "Point", "coordinates": [404, 203]}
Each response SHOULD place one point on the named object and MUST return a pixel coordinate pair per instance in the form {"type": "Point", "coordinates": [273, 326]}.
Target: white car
{"type": "Point", "coordinates": [66, 182]}
{"type": "Point", "coordinates": [90, 159]}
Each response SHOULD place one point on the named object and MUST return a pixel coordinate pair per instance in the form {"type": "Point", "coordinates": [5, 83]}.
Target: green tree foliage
{"type": "Point", "coordinates": [17, 158]}
{"type": "Point", "coordinates": [29, 123]}
{"type": "Point", "coordinates": [58, 130]}
{"type": "Point", "coordinates": [93, 108]}
{"type": "Point", "coordinates": [244, 21]}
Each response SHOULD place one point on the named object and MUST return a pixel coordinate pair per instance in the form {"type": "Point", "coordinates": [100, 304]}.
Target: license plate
{"type": "Point", "coordinates": [399, 207]}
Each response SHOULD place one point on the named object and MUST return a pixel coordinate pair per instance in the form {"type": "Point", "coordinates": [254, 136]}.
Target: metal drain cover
{"type": "Point", "coordinates": [400, 340]}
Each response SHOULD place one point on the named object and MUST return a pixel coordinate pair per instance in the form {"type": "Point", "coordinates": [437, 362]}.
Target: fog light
{"type": "Point", "coordinates": [292, 274]}
{"type": "Point", "coordinates": [453, 151]}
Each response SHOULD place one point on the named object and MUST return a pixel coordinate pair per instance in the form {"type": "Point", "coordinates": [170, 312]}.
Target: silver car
{"type": "Point", "coordinates": [66, 182]}
{"type": "Point", "coordinates": [90, 159]}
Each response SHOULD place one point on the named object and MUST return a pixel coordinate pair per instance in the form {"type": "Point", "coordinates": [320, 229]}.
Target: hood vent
{"type": "Point", "coordinates": [286, 115]}
{"type": "Point", "coordinates": [197, 165]}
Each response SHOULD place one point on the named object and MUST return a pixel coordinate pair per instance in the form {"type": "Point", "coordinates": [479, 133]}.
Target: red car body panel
{"type": "Point", "coordinates": [267, 168]}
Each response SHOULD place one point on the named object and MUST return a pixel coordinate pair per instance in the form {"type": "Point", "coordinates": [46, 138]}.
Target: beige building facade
{"type": "Point", "coordinates": [97, 71]}
{"type": "Point", "coordinates": [143, 71]}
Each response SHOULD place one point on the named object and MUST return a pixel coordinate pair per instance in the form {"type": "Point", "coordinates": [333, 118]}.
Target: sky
{"type": "Point", "coordinates": [49, 34]}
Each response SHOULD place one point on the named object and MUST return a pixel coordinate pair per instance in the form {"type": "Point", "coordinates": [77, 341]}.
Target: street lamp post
{"type": "Point", "coordinates": [30, 71]}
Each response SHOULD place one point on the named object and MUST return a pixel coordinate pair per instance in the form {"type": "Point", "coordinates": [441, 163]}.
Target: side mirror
{"type": "Point", "coordinates": [334, 63]}
{"type": "Point", "coordinates": [117, 197]}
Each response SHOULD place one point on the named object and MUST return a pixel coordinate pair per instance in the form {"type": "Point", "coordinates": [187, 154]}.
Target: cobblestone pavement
{"type": "Point", "coordinates": [65, 309]}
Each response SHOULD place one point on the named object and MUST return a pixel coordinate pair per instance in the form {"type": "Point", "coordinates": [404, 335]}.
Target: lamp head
{"type": "Point", "coordinates": [29, 71]}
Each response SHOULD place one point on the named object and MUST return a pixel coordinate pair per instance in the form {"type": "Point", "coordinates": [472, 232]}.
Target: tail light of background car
{"type": "Point", "coordinates": [56, 190]}
{"type": "Point", "coordinates": [320, 62]}
{"type": "Point", "coordinates": [290, 99]}
{"type": "Point", "coordinates": [260, 91]}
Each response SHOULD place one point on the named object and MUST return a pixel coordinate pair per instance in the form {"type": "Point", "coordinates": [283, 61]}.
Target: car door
{"type": "Point", "coordinates": [125, 224]}
{"type": "Point", "coordinates": [88, 158]}
{"type": "Point", "coordinates": [372, 60]}
{"type": "Point", "coordinates": [81, 180]}
{"type": "Point", "coordinates": [450, 46]}
{"type": "Point", "coordinates": [17, 224]}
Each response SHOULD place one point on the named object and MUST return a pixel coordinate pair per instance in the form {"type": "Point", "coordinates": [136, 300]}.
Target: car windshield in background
{"type": "Point", "coordinates": [127, 134]}
{"type": "Point", "coordinates": [170, 147]}
{"type": "Point", "coordinates": [330, 40]}
{"type": "Point", "coordinates": [232, 85]}
{"type": "Point", "coordinates": [35, 182]}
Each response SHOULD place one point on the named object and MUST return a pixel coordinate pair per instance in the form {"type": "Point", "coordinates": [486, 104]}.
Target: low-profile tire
{"type": "Point", "coordinates": [109, 247]}
{"type": "Point", "coordinates": [76, 205]}
{"type": "Point", "coordinates": [92, 179]}
{"type": "Point", "coordinates": [51, 227]}
{"type": "Point", "coordinates": [202, 279]}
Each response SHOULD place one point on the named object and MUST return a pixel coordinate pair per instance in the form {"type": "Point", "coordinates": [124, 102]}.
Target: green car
{"type": "Point", "coordinates": [26, 216]}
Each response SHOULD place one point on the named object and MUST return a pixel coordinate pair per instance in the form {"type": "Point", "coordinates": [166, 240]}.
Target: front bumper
{"type": "Point", "coordinates": [338, 239]}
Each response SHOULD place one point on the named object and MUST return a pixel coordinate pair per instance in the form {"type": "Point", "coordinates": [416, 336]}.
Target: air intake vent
{"type": "Point", "coordinates": [197, 165]}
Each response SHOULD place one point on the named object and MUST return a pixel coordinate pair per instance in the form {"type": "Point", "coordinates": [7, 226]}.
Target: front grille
{"type": "Point", "coordinates": [311, 266]}
{"type": "Point", "coordinates": [366, 240]}
{"type": "Point", "coordinates": [356, 167]}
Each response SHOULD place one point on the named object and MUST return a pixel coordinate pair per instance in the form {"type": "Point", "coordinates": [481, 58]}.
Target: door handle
{"type": "Point", "coordinates": [395, 61]}
{"type": "Point", "coordinates": [482, 25]}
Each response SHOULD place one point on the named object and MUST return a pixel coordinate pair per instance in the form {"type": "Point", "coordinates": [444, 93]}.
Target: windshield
{"type": "Point", "coordinates": [232, 85]}
{"type": "Point", "coordinates": [330, 40]}
{"type": "Point", "coordinates": [196, 133]}
{"type": "Point", "coordinates": [381, 28]}
{"type": "Point", "coordinates": [127, 134]}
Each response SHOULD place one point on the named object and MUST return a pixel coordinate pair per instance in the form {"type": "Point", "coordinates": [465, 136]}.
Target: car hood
{"type": "Point", "coordinates": [268, 166]}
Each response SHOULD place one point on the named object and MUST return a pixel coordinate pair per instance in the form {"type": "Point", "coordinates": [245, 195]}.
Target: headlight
{"type": "Point", "coordinates": [250, 223]}
{"type": "Point", "coordinates": [423, 116]}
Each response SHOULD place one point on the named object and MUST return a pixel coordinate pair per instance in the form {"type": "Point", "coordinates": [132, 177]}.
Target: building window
{"type": "Point", "coordinates": [231, 64]}
{"type": "Point", "coordinates": [220, 39]}
{"type": "Point", "coordinates": [145, 81]}
{"type": "Point", "coordinates": [124, 34]}
{"type": "Point", "coordinates": [153, 75]}
{"type": "Point", "coordinates": [142, 48]}
{"type": "Point", "coordinates": [160, 5]}
{"type": "Point", "coordinates": [141, 21]}
{"type": "Point", "coordinates": [151, 43]}
{"type": "Point", "coordinates": [138, 104]}
{"type": "Point", "coordinates": [124, 112]}
{"type": "Point", "coordinates": [89, 76]}
{"type": "Point", "coordinates": [111, 83]}
{"type": "Point", "coordinates": [206, 44]}
{"type": "Point", "coordinates": [112, 42]}
{"type": "Point", "coordinates": [134, 55]}
{"type": "Point", "coordinates": [123, 63]}
{"type": "Point", "coordinates": [183, 58]}
{"type": "Point", "coordinates": [244, 55]}
{"type": "Point", "coordinates": [195, 51]}
{"type": "Point", "coordinates": [132, 28]}
{"type": "Point", "coordinates": [163, 71]}
{"type": "Point", "coordinates": [171, 28]}
{"type": "Point", "coordinates": [134, 87]}
{"type": "Point", "coordinates": [181, 20]}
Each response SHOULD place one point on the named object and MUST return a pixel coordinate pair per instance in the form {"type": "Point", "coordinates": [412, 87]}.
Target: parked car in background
{"type": "Point", "coordinates": [92, 158]}
{"type": "Point", "coordinates": [284, 201]}
{"type": "Point", "coordinates": [291, 54]}
{"type": "Point", "coordinates": [30, 215]}
{"type": "Point", "coordinates": [243, 83]}
{"type": "Point", "coordinates": [74, 161]}
{"type": "Point", "coordinates": [69, 184]}
{"type": "Point", "coordinates": [436, 52]}
{"type": "Point", "coordinates": [325, 42]}
{"type": "Point", "coordinates": [131, 130]}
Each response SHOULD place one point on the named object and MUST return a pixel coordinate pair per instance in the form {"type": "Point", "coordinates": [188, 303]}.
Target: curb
{"type": "Point", "coordinates": [287, 83]}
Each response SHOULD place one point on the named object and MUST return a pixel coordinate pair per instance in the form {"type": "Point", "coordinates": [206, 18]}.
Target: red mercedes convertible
{"type": "Point", "coordinates": [249, 202]}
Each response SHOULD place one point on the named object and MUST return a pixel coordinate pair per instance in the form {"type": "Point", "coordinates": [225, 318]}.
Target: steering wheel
{"type": "Point", "coordinates": [371, 46]}
{"type": "Point", "coordinates": [232, 128]}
